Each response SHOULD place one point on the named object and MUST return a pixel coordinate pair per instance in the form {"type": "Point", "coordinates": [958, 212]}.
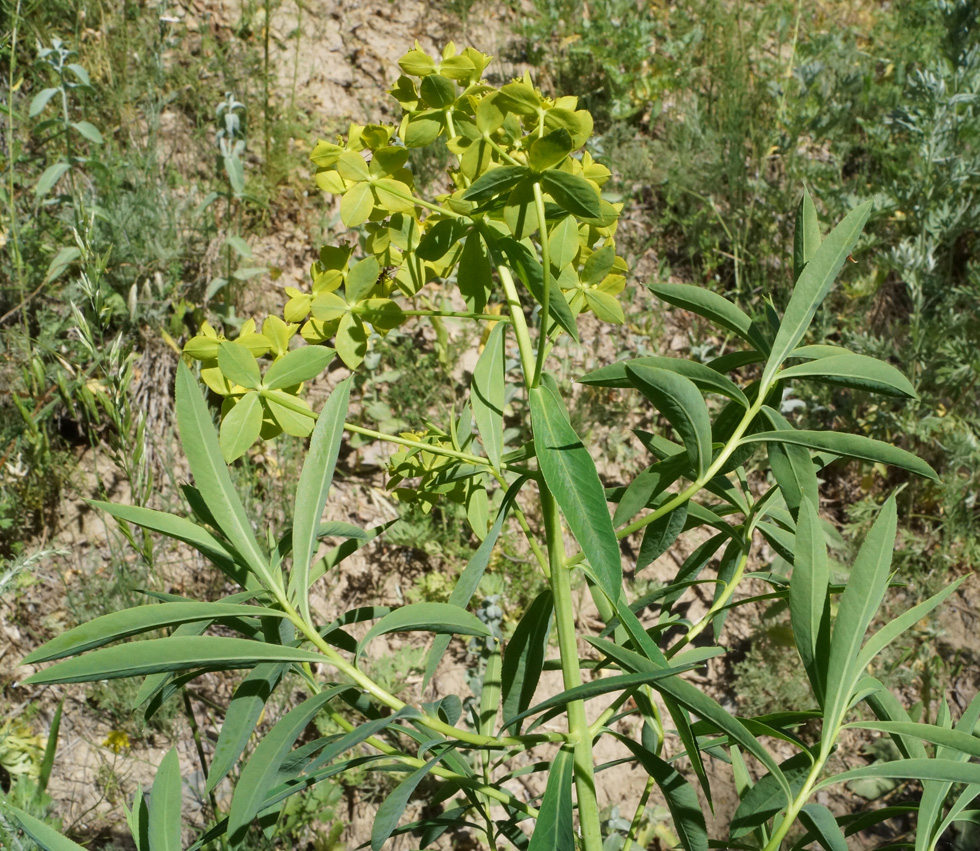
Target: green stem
{"type": "Point", "coordinates": [638, 814]}
{"type": "Point", "coordinates": [504, 155]}
{"type": "Point", "coordinates": [578, 725]}
{"type": "Point", "coordinates": [793, 811]}
{"type": "Point", "coordinates": [458, 314]}
{"type": "Point", "coordinates": [418, 444]}
{"type": "Point", "coordinates": [518, 321]}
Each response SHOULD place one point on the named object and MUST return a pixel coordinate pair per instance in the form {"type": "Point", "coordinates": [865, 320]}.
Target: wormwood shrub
{"type": "Point", "coordinates": [528, 241]}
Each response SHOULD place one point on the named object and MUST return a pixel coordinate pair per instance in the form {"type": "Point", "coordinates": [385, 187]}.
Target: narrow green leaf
{"type": "Point", "coordinates": [791, 466]}
{"type": "Point", "coordinates": [211, 475]}
{"type": "Point", "coordinates": [240, 427]}
{"type": "Point", "coordinates": [766, 798]}
{"type": "Point", "coordinates": [61, 261]}
{"type": "Point", "coordinates": [806, 236]}
{"type": "Point", "coordinates": [313, 489]}
{"type": "Point", "coordinates": [659, 536]}
{"type": "Point", "coordinates": [680, 402]}
{"type": "Point", "coordinates": [712, 306]}
{"type": "Point", "coordinates": [554, 829]}
{"type": "Point", "coordinates": [524, 656]}
{"type": "Point", "coordinates": [49, 177]}
{"type": "Point", "coordinates": [570, 473]}
{"type": "Point", "coordinates": [50, 748]}
{"type": "Point", "coordinates": [262, 768]}
{"type": "Point", "coordinates": [164, 806]}
{"type": "Point", "coordinates": [88, 131]}
{"type": "Point", "coordinates": [812, 287]}
{"type": "Point", "coordinates": [820, 821]}
{"type": "Point", "coordinates": [178, 653]}
{"type": "Point", "coordinates": [469, 579]}
{"type": "Point", "coordinates": [297, 366]}
{"type": "Point", "coordinates": [704, 377]}
{"type": "Point", "coordinates": [487, 393]}
{"type": "Point", "coordinates": [495, 182]}
{"type": "Point", "coordinates": [685, 809]}
{"type": "Point", "coordinates": [127, 622]}
{"type": "Point", "coordinates": [809, 598]}
{"type": "Point", "coordinates": [43, 834]}
{"type": "Point", "coordinates": [850, 445]}
{"type": "Point", "coordinates": [858, 604]}
{"type": "Point", "coordinates": [572, 193]}
{"type": "Point", "coordinates": [650, 483]}
{"type": "Point", "coordinates": [238, 364]}
{"type": "Point", "coordinates": [958, 741]}
{"type": "Point", "coordinates": [243, 714]}
{"type": "Point", "coordinates": [857, 371]}
{"type": "Point", "coordinates": [947, 770]}
{"type": "Point", "coordinates": [393, 806]}
{"type": "Point", "coordinates": [427, 617]}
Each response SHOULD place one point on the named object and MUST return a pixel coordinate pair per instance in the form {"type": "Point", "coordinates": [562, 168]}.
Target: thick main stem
{"type": "Point", "coordinates": [578, 725]}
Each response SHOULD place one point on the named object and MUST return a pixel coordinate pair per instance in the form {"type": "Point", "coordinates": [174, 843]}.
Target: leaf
{"type": "Point", "coordinates": [820, 821]}
{"type": "Point", "coordinates": [712, 306]}
{"type": "Point", "coordinates": [659, 536]}
{"type": "Point", "coordinates": [437, 91]}
{"type": "Point", "coordinates": [857, 371]}
{"type": "Point", "coordinates": [297, 366]}
{"type": "Point", "coordinates": [43, 834]}
{"type": "Point", "coordinates": [947, 770]}
{"type": "Point", "coordinates": [531, 273]}
{"type": "Point", "coordinates": [392, 807]}
{"type": "Point", "coordinates": [494, 183]}
{"type": "Point", "coordinates": [440, 239]}
{"type": "Point", "coordinates": [362, 279]}
{"type": "Point", "coordinates": [487, 393]}
{"type": "Point", "coordinates": [473, 274]}
{"type": "Point", "coordinates": [850, 445]}
{"type": "Point", "coordinates": [806, 236]}
{"type": "Point", "coordinates": [237, 363]}
{"type": "Point", "coordinates": [683, 407]}
{"type": "Point", "coordinates": [572, 193]}
{"type": "Point", "coordinates": [176, 653]}
{"type": "Point", "coordinates": [550, 149]}
{"type": "Point", "coordinates": [244, 710]}
{"type": "Point", "coordinates": [427, 617]}
{"type": "Point", "coordinates": [313, 489]}
{"type": "Point", "coordinates": [122, 624]}
{"type": "Point", "coordinates": [809, 598]}
{"type": "Point", "coordinates": [703, 376]}
{"type": "Point", "coordinates": [791, 466]}
{"type": "Point", "coordinates": [241, 427]}
{"type": "Point", "coordinates": [554, 829]}
{"type": "Point", "coordinates": [766, 798]}
{"type": "Point", "coordinates": [951, 740]}
{"type": "Point", "coordinates": [524, 656]}
{"type": "Point", "coordinates": [40, 100]}
{"type": "Point", "coordinates": [357, 204]}
{"type": "Point", "coordinates": [351, 341]}
{"type": "Point", "coordinates": [50, 748]}
{"type": "Point", "coordinates": [469, 580]}
{"type": "Point", "coordinates": [685, 809]}
{"type": "Point", "coordinates": [164, 806]}
{"type": "Point", "coordinates": [49, 177]}
{"type": "Point", "coordinates": [89, 131]}
{"type": "Point", "coordinates": [200, 444]}
{"type": "Point", "coordinates": [62, 260]}
{"type": "Point", "coordinates": [570, 473]}
{"type": "Point", "coordinates": [563, 242]}
{"type": "Point", "coordinates": [812, 287]}
{"type": "Point", "coordinates": [262, 768]}
{"type": "Point", "coordinates": [858, 604]}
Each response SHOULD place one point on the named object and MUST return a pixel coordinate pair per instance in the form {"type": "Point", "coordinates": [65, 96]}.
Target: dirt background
{"type": "Point", "coordinates": [338, 69]}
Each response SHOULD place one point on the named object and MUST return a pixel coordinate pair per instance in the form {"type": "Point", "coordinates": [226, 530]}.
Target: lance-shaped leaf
{"type": "Point", "coordinates": [850, 445]}
{"type": "Point", "coordinates": [812, 287]}
{"type": "Point", "coordinates": [822, 825]}
{"type": "Point", "coordinates": [474, 275]}
{"type": "Point", "coordinates": [495, 182]}
{"type": "Point", "coordinates": [681, 799]}
{"type": "Point", "coordinates": [297, 366]}
{"type": "Point", "coordinates": [314, 486]}
{"type": "Point", "coordinates": [859, 602]}
{"type": "Point", "coordinates": [857, 371]}
{"type": "Point", "coordinates": [554, 830]}
{"type": "Point", "coordinates": [704, 377]}
{"type": "Point", "coordinates": [572, 193]}
{"type": "Point", "coordinates": [806, 235]}
{"type": "Point", "coordinates": [714, 307]}
{"type": "Point", "coordinates": [42, 833]}
{"type": "Point", "coordinates": [200, 444]}
{"type": "Point", "coordinates": [487, 392]}
{"type": "Point", "coordinates": [524, 656]}
{"type": "Point", "coordinates": [241, 427]}
{"type": "Point", "coordinates": [766, 798]}
{"type": "Point", "coordinates": [947, 770]}
{"type": "Point", "coordinates": [809, 598]}
{"type": "Point", "coordinates": [570, 473]}
{"type": "Point", "coordinates": [180, 653]}
{"type": "Point", "coordinates": [122, 624]}
{"type": "Point", "coordinates": [164, 807]}
{"type": "Point", "coordinates": [393, 806]}
{"type": "Point", "coordinates": [262, 767]}
{"type": "Point", "coordinates": [426, 617]}
{"type": "Point", "coordinates": [659, 536]}
{"type": "Point", "coordinates": [682, 405]}
{"type": "Point", "coordinates": [791, 466]}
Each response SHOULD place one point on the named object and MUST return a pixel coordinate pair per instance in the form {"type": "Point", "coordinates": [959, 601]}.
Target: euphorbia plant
{"type": "Point", "coordinates": [524, 235]}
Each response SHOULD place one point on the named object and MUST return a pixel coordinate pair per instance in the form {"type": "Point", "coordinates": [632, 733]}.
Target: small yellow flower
{"type": "Point", "coordinates": [117, 741]}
